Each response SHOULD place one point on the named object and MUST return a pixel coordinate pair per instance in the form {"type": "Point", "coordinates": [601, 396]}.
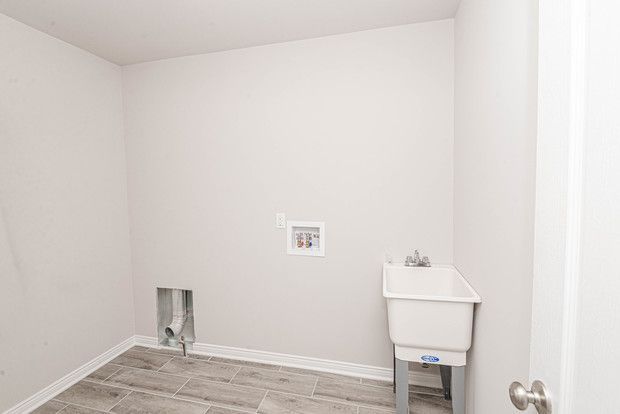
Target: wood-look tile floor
{"type": "Point", "coordinates": [144, 380]}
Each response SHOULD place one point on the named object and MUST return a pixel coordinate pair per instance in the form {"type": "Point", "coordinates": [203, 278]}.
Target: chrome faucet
{"type": "Point", "coordinates": [415, 261]}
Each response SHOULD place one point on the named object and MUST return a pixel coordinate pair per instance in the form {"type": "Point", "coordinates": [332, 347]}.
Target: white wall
{"type": "Point", "coordinates": [494, 187]}
{"type": "Point", "coordinates": [355, 130]}
{"type": "Point", "coordinates": [64, 249]}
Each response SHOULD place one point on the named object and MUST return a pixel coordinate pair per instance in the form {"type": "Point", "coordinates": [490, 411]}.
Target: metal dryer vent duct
{"type": "Point", "coordinates": [179, 314]}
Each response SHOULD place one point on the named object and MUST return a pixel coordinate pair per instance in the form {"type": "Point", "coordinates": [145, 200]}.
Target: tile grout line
{"type": "Point", "coordinates": [119, 401]}
{"type": "Point", "coordinates": [358, 403]}
{"type": "Point", "coordinates": [262, 401]}
{"type": "Point", "coordinates": [140, 390]}
{"type": "Point", "coordinates": [245, 363]}
{"type": "Point", "coordinates": [234, 375]}
{"type": "Point", "coordinates": [350, 403]}
{"type": "Point", "coordinates": [235, 409]}
{"type": "Point", "coordinates": [165, 363]}
{"type": "Point", "coordinates": [81, 406]}
{"type": "Point", "coordinates": [284, 371]}
{"type": "Point", "coordinates": [110, 376]}
{"type": "Point", "coordinates": [113, 384]}
{"type": "Point", "coordinates": [66, 405]}
{"type": "Point", "coordinates": [279, 367]}
{"type": "Point", "coordinates": [321, 374]}
{"type": "Point", "coordinates": [314, 388]}
{"type": "Point", "coordinates": [177, 398]}
{"type": "Point", "coordinates": [184, 384]}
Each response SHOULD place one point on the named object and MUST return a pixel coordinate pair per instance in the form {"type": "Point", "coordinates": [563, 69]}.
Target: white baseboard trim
{"type": "Point", "coordinates": [297, 361]}
{"type": "Point", "coordinates": [68, 380]}
{"type": "Point", "coordinates": [148, 341]}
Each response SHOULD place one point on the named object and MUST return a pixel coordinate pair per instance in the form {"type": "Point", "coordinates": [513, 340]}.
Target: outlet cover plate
{"type": "Point", "coordinates": [280, 220]}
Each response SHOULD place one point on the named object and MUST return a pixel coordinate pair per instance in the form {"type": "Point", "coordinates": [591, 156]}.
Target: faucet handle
{"type": "Point", "coordinates": [426, 261]}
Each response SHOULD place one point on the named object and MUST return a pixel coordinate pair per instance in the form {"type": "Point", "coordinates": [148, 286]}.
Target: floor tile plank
{"type": "Point", "coordinates": [222, 394]}
{"type": "Point", "coordinates": [199, 356]}
{"type": "Point", "coordinates": [278, 403]}
{"type": "Point", "coordinates": [142, 360]}
{"type": "Point", "coordinates": [165, 351]}
{"type": "Point", "coordinates": [418, 389]}
{"type": "Point", "coordinates": [377, 383]}
{"type": "Point", "coordinates": [366, 410]}
{"type": "Point", "coordinates": [220, 410]}
{"type": "Point", "coordinates": [103, 373]}
{"type": "Point", "coordinates": [275, 380]}
{"type": "Point", "coordinates": [50, 407]}
{"type": "Point", "coordinates": [328, 375]}
{"type": "Point", "coordinates": [431, 404]}
{"type": "Point", "coordinates": [142, 380]}
{"type": "Point", "coordinates": [196, 368]}
{"type": "Point", "coordinates": [142, 403]}
{"type": "Point", "coordinates": [74, 409]}
{"type": "Point", "coordinates": [245, 363]}
{"type": "Point", "coordinates": [92, 395]}
{"type": "Point", "coordinates": [358, 394]}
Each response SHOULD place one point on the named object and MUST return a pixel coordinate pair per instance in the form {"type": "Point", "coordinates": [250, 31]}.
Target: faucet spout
{"type": "Point", "coordinates": [416, 257]}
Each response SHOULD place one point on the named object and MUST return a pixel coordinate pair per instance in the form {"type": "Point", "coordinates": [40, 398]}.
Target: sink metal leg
{"type": "Point", "coordinates": [402, 386]}
{"type": "Point", "coordinates": [446, 380]}
{"type": "Point", "coordinates": [458, 390]}
{"type": "Point", "coordinates": [394, 369]}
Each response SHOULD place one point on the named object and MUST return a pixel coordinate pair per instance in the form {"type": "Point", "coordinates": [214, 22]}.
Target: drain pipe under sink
{"type": "Point", "coordinates": [179, 314]}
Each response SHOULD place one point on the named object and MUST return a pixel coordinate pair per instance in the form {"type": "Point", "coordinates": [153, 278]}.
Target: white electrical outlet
{"type": "Point", "coordinates": [280, 220]}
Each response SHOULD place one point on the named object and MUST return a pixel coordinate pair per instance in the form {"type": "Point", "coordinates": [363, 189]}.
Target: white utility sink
{"type": "Point", "coordinates": [430, 313]}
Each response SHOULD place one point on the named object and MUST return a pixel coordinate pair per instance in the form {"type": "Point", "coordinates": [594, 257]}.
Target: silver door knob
{"type": "Point", "coordinates": [538, 396]}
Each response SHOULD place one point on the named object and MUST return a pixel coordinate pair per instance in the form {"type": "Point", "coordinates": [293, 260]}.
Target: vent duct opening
{"type": "Point", "coordinates": [179, 314]}
{"type": "Point", "coordinates": [175, 317]}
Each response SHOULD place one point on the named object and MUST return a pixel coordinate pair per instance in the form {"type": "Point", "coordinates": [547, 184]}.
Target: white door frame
{"type": "Point", "coordinates": [563, 28]}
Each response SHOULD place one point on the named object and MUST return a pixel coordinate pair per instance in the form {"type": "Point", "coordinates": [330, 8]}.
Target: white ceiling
{"type": "Point", "coordinates": [131, 31]}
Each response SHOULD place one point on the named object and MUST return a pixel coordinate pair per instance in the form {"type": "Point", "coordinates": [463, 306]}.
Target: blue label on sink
{"type": "Point", "coordinates": [430, 358]}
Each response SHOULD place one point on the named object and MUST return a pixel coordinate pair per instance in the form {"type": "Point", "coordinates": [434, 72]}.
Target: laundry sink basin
{"type": "Point", "coordinates": [430, 313]}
